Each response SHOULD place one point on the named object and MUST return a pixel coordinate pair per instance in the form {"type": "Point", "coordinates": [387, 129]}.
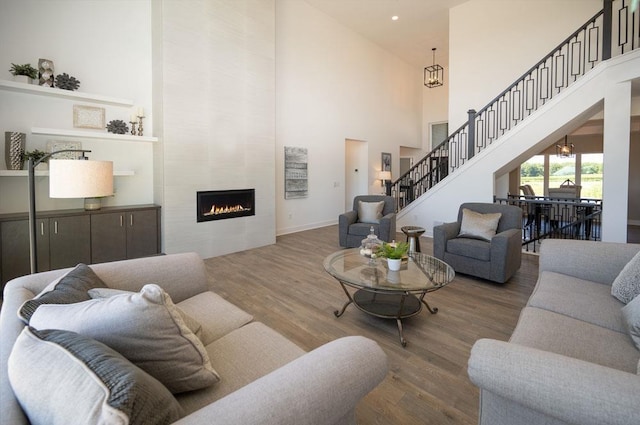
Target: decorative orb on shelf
{"type": "Point", "coordinates": [117, 127]}
{"type": "Point", "coordinates": [67, 82]}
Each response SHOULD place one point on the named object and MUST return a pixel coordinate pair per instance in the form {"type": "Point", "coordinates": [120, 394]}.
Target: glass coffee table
{"type": "Point", "coordinates": [384, 293]}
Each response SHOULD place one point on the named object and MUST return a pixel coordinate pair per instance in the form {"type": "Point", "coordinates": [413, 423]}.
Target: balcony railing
{"type": "Point", "coordinates": [550, 218]}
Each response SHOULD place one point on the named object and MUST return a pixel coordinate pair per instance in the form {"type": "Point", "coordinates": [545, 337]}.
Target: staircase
{"type": "Point", "coordinates": [578, 61]}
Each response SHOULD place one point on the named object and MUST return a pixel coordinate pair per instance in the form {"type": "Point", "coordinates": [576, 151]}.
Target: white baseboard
{"type": "Point", "coordinates": [296, 229]}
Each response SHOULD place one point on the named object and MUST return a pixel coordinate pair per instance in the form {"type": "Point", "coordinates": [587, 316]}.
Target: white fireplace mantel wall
{"type": "Point", "coordinates": [214, 85]}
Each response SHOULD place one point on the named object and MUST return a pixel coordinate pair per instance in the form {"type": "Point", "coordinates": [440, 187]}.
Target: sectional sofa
{"type": "Point", "coordinates": [247, 373]}
{"type": "Point", "coordinates": [571, 358]}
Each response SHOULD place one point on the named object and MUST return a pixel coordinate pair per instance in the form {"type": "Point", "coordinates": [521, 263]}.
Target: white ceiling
{"type": "Point", "coordinates": [421, 25]}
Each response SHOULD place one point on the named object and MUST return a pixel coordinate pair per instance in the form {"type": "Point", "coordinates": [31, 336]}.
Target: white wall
{"type": "Point", "coordinates": [494, 42]}
{"type": "Point", "coordinates": [333, 85]}
{"type": "Point", "coordinates": [107, 46]}
{"type": "Point", "coordinates": [216, 59]}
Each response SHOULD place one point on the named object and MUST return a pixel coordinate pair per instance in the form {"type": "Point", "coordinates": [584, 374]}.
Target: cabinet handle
{"type": "Point", "coordinates": [42, 228]}
{"type": "Point", "coordinates": [131, 220]}
{"type": "Point", "coordinates": [121, 220]}
{"type": "Point", "coordinates": [55, 227]}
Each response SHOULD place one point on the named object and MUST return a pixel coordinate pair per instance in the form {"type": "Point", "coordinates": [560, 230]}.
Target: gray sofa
{"type": "Point", "coordinates": [264, 378]}
{"type": "Point", "coordinates": [570, 359]}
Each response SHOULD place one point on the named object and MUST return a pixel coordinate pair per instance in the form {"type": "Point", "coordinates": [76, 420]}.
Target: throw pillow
{"type": "Point", "coordinates": [144, 327]}
{"type": "Point", "coordinates": [631, 316]}
{"type": "Point", "coordinates": [626, 285]}
{"type": "Point", "coordinates": [370, 212]}
{"type": "Point", "coordinates": [478, 226]}
{"type": "Point", "coordinates": [62, 377]}
{"type": "Point", "coordinates": [102, 293]}
{"type": "Point", "coordinates": [67, 289]}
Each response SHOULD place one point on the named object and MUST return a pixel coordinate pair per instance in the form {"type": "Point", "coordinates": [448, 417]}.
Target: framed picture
{"type": "Point", "coordinates": [88, 117]}
{"type": "Point", "coordinates": [295, 172]}
{"type": "Point", "coordinates": [60, 145]}
{"type": "Point", "coordinates": [386, 161]}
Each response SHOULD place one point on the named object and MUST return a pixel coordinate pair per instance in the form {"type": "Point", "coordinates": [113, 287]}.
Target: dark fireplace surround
{"type": "Point", "coordinates": [223, 204]}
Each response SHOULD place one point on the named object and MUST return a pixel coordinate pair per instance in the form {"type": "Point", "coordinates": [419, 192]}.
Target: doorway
{"type": "Point", "coordinates": [356, 172]}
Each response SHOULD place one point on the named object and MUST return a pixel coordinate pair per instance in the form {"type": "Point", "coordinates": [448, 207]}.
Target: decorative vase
{"type": "Point", "coordinates": [394, 264]}
{"type": "Point", "coordinates": [13, 149]}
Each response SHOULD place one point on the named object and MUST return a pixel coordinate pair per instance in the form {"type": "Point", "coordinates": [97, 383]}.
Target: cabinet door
{"type": "Point", "coordinates": [108, 237]}
{"type": "Point", "coordinates": [14, 245]}
{"type": "Point", "coordinates": [69, 241]}
{"type": "Point", "coordinates": [142, 233]}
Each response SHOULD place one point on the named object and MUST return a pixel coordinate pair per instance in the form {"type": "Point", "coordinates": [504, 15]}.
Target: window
{"type": "Point", "coordinates": [439, 133]}
{"type": "Point", "coordinates": [591, 178]}
{"type": "Point", "coordinates": [561, 170]}
{"type": "Point", "coordinates": [532, 173]}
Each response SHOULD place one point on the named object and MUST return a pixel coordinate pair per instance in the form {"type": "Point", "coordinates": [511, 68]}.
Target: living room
{"type": "Point", "coordinates": [227, 85]}
{"type": "Point", "coordinates": [211, 138]}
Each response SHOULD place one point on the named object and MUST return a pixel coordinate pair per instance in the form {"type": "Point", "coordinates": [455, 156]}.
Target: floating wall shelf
{"type": "Point", "coordinates": [91, 135]}
{"type": "Point", "coordinates": [63, 94]}
{"type": "Point", "coordinates": [44, 173]}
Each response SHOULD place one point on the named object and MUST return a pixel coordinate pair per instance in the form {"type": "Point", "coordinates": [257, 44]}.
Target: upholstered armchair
{"type": "Point", "coordinates": [368, 210]}
{"type": "Point", "coordinates": [486, 241]}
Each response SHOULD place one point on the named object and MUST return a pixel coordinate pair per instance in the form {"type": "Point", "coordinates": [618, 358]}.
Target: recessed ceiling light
{"type": "Point", "coordinates": [394, 18]}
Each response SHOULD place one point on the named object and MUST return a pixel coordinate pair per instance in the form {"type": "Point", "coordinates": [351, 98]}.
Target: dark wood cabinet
{"type": "Point", "coordinates": [68, 237]}
{"type": "Point", "coordinates": [126, 234]}
{"type": "Point", "coordinates": [69, 241]}
{"type": "Point", "coordinates": [14, 247]}
{"type": "Point", "coordinates": [142, 233]}
{"type": "Point", "coordinates": [108, 237]}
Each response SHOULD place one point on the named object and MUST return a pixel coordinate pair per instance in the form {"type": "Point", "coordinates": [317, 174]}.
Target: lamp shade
{"type": "Point", "coordinates": [80, 178]}
{"type": "Point", "coordinates": [385, 175]}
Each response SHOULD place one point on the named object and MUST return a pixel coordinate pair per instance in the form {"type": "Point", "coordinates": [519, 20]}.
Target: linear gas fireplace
{"type": "Point", "coordinates": [222, 204]}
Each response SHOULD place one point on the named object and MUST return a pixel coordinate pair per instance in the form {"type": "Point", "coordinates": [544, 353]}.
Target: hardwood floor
{"type": "Point", "coordinates": [285, 286]}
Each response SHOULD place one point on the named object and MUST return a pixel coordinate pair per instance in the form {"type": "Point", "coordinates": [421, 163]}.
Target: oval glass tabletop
{"type": "Point", "coordinates": [419, 272]}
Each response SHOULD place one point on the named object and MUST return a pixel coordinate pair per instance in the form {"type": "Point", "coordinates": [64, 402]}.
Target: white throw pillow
{"type": "Point", "coordinates": [146, 328]}
{"type": "Point", "coordinates": [626, 285]}
{"type": "Point", "coordinates": [478, 226]}
{"type": "Point", "coordinates": [370, 212]}
{"type": "Point", "coordinates": [102, 293]}
{"type": "Point", "coordinates": [63, 378]}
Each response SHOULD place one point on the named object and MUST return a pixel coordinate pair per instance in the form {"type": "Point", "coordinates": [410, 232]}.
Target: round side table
{"type": "Point", "coordinates": [413, 236]}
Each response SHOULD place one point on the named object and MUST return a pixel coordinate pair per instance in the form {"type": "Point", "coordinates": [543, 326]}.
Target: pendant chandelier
{"type": "Point", "coordinates": [433, 75]}
{"type": "Point", "coordinates": [566, 150]}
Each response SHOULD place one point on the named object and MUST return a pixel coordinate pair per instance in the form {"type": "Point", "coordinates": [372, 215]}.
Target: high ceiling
{"type": "Point", "coordinates": [421, 25]}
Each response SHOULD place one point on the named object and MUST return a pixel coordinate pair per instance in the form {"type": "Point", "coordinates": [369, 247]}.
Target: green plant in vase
{"type": "Point", "coordinates": [35, 155]}
{"type": "Point", "coordinates": [393, 251]}
{"type": "Point", "coordinates": [25, 69]}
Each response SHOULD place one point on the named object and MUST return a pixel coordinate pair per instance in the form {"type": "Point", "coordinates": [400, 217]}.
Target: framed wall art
{"type": "Point", "coordinates": [88, 117]}
{"type": "Point", "coordinates": [295, 173]}
{"type": "Point", "coordinates": [386, 161]}
{"type": "Point", "coordinates": [60, 145]}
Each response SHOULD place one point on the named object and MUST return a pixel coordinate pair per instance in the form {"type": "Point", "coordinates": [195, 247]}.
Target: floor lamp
{"type": "Point", "coordinates": [69, 179]}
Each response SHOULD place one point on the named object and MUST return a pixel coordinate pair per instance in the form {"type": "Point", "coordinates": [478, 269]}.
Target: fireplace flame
{"type": "Point", "coordinates": [226, 209]}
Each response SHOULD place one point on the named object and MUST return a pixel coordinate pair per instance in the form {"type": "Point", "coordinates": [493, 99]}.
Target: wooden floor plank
{"type": "Point", "coordinates": [285, 286]}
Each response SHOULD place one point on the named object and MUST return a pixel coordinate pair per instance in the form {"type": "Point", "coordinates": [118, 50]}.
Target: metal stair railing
{"type": "Point", "coordinates": [597, 40]}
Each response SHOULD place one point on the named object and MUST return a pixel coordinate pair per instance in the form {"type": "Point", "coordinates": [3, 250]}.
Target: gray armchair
{"type": "Point", "coordinates": [351, 231]}
{"type": "Point", "coordinates": [495, 260]}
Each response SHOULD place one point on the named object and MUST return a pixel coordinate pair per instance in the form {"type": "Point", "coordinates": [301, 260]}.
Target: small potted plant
{"type": "Point", "coordinates": [393, 252]}
{"type": "Point", "coordinates": [35, 155]}
{"type": "Point", "coordinates": [23, 73]}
